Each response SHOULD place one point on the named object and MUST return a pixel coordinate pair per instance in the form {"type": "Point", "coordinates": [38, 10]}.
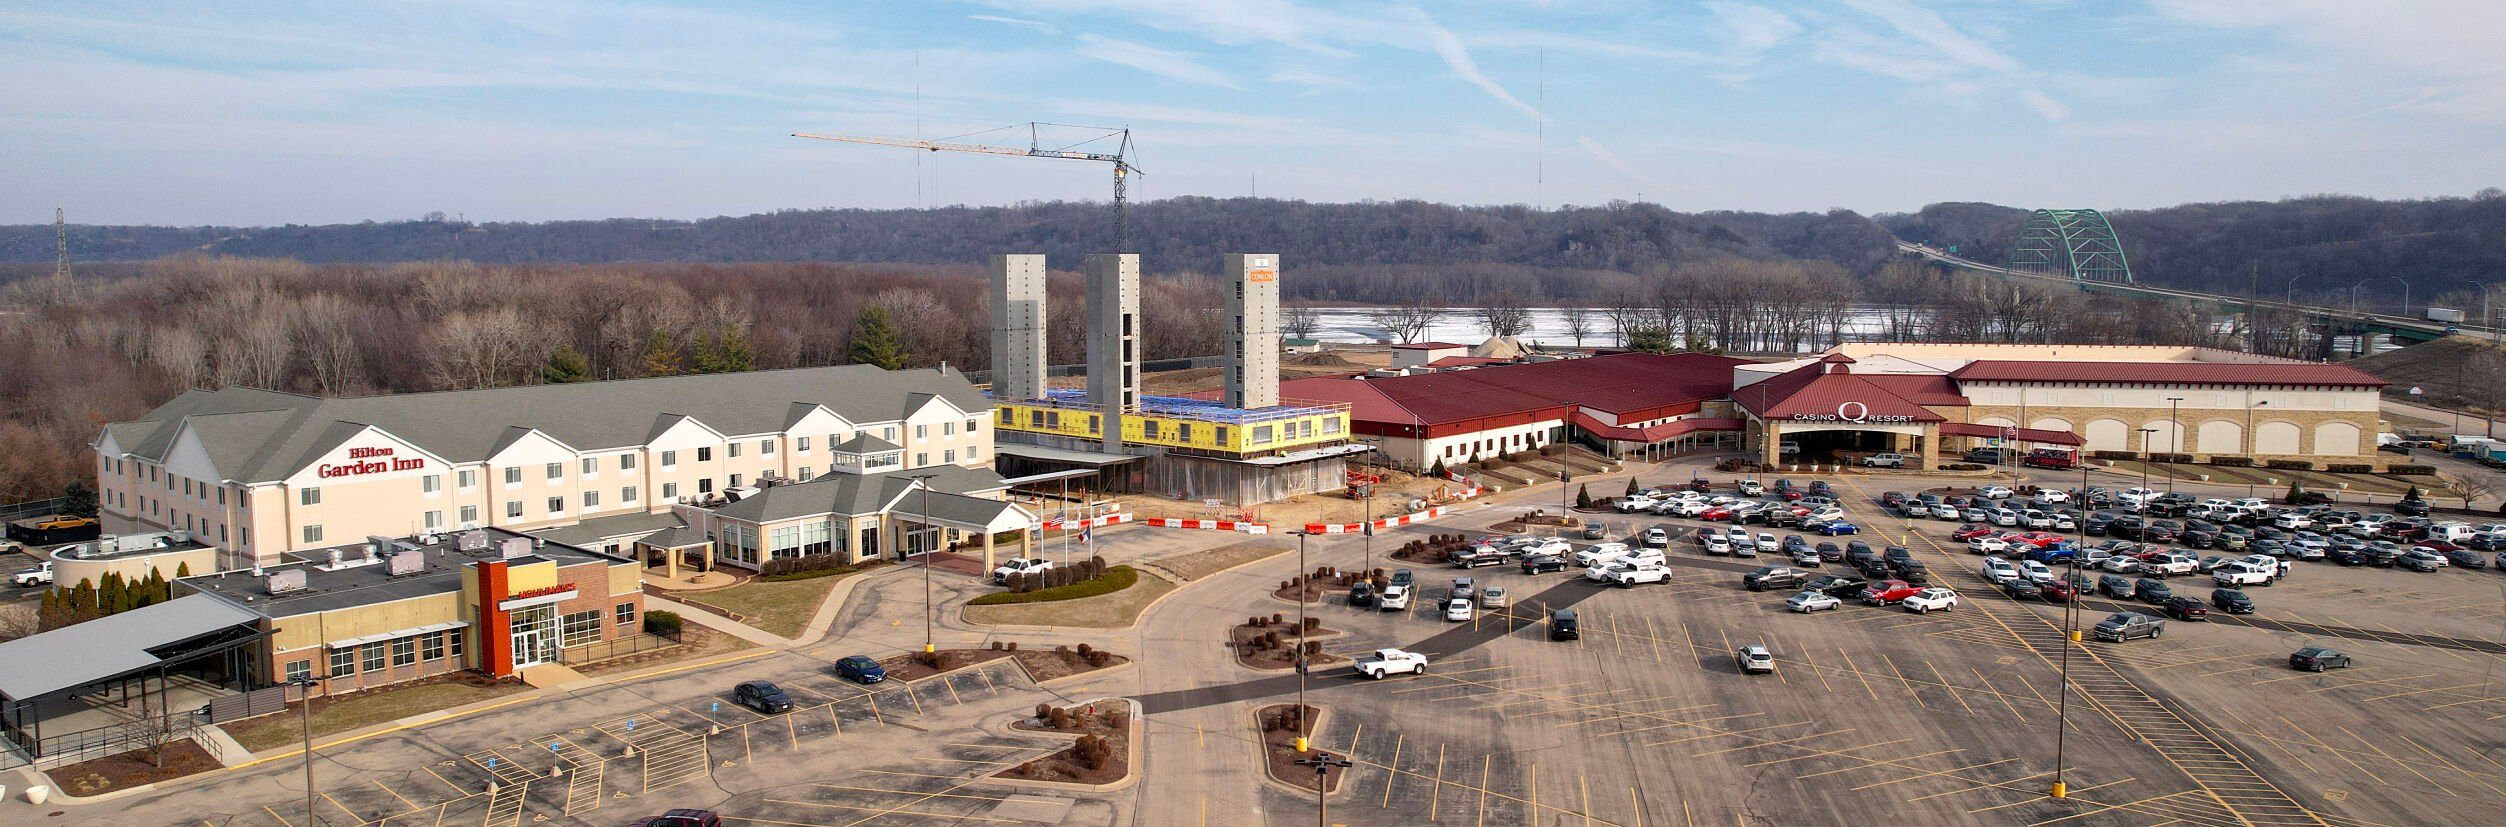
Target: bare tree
{"type": "Point", "coordinates": [481, 349]}
{"type": "Point", "coordinates": [153, 731]}
{"type": "Point", "coordinates": [1408, 322]}
{"type": "Point", "coordinates": [1299, 321]}
{"type": "Point", "coordinates": [2472, 486]}
{"type": "Point", "coordinates": [1578, 322]}
{"type": "Point", "coordinates": [1504, 313]}
{"type": "Point", "coordinates": [334, 343]}
{"type": "Point", "coordinates": [264, 340]}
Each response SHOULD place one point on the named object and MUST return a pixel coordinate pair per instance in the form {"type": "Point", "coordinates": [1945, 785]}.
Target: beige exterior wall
{"type": "Point", "coordinates": [67, 571]}
{"type": "Point", "coordinates": [2313, 423]}
{"type": "Point", "coordinates": [258, 522]}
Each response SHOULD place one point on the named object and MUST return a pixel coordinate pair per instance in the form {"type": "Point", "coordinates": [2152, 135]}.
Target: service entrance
{"type": "Point", "coordinates": [534, 635]}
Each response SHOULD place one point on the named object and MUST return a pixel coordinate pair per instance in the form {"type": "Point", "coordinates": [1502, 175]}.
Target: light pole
{"type": "Point", "coordinates": [924, 482]}
{"type": "Point", "coordinates": [304, 719]}
{"type": "Point", "coordinates": [2250, 441]}
{"type": "Point", "coordinates": [2070, 637]}
{"type": "Point", "coordinates": [1304, 586]}
{"type": "Point", "coordinates": [1322, 762]}
{"type": "Point", "coordinates": [2145, 432]}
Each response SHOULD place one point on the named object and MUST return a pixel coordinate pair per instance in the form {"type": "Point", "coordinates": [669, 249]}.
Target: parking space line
{"type": "Point", "coordinates": [1435, 794]}
{"type": "Point", "coordinates": [395, 794]}
{"type": "Point", "coordinates": [1934, 774]}
{"type": "Point", "coordinates": [1785, 742]}
{"type": "Point", "coordinates": [274, 814]}
{"type": "Point", "coordinates": [889, 811]}
{"type": "Point", "coordinates": [1952, 690]}
{"type": "Point", "coordinates": [1395, 775]}
{"type": "Point", "coordinates": [2389, 757]}
{"type": "Point", "coordinates": [2336, 752]}
{"type": "Point", "coordinates": [1857, 672]}
{"type": "Point", "coordinates": [1972, 786]}
{"type": "Point", "coordinates": [2449, 764]}
{"type": "Point", "coordinates": [1839, 753]}
{"type": "Point", "coordinates": [1869, 763]}
{"type": "Point", "coordinates": [1737, 732]}
{"type": "Point", "coordinates": [2004, 698]}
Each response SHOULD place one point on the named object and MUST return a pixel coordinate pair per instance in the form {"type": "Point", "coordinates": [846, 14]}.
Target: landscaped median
{"type": "Point", "coordinates": [1113, 580]}
{"type": "Point", "coordinates": [1110, 601]}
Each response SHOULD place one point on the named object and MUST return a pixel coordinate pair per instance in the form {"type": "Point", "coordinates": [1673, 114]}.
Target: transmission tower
{"type": "Point", "coordinates": [61, 246]}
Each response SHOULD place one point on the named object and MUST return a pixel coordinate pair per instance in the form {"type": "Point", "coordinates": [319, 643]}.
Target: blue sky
{"type": "Point", "coordinates": [265, 112]}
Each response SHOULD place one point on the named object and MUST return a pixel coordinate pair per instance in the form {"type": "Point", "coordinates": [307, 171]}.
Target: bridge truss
{"type": "Point", "coordinates": [2078, 244]}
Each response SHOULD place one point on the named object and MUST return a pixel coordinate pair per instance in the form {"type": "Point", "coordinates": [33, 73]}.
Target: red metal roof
{"type": "Point", "coordinates": [1467, 361]}
{"type": "Point", "coordinates": [1615, 383]}
{"type": "Point", "coordinates": [2021, 434]}
{"type": "Point", "coordinates": [1428, 346]}
{"type": "Point", "coordinates": [1807, 393]}
{"type": "Point", "coordinates": [2167, 373]}
{"type": "Point", "coordinates": [1653, 433]}
{"type": "Point", "coordinates": [1919, 388]}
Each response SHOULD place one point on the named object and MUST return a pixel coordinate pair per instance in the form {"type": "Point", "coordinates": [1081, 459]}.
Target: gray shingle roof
{"type": "Point", "coordinates": [856, 493]}
{"type": "Point", "coordinates": [864, 443]}
{"type": "Point", "coordinates": [108, 646]}
{"type": "Point", "coordinates": [589, 533]}
{"type": "Point", "coordinates": [267, 435]}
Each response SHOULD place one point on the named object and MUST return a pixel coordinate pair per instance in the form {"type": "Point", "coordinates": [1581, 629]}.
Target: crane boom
{"type": "Point", "coordinates": [1123, 169]}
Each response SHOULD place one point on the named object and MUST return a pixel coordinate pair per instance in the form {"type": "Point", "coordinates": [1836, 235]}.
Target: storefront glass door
{"type": "Point", "coordinates": [534, 635]}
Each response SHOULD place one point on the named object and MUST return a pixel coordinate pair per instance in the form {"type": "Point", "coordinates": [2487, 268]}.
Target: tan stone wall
{"type": "Point", "coordinates": [2192, 420]}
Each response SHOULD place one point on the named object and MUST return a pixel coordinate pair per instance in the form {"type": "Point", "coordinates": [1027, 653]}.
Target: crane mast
{"type": "Point", "coordinates": [1119, 158]}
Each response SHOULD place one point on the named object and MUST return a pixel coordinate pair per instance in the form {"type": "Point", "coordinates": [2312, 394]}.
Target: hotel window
{"type": "Point", "coordinates": [765, 446]}
{"type": "Point", "coordinates": [431, 483]}
{"type": "Point", "coordinates": [556, 470]}
{"type": "Point", "coordinates": [299, 671]}
{"type": "Point", "coordinates": [888, 433]}
{"type": "Point", "coordinates": [455, 639]}
{"type": "Point", "coordinates": [974, 452]}
{"type": "Point", "coordinates": [1331, 425]}
{"type": "Point", "coordinates": [626, 613]}
{"type": "Point", "coordinates": [591, 465]}
{"type": "Point", "coordinates": [432, 647]}
{"type": "Point", "coordinates": [513, 476]}
{"type": "Point", "coordinates": [405, 652]}
{"type": "Point", "coordinates": [373, 658]}
{"type": "Point", "coordinates": [735, 481]}
{"type": "Point", "coordinates": [243, 536]}
{"type": "Point", "coordinates": [309, 496]}
{"type": "Point", "coordinates": [807, 473]}
{"type": "Point", "coordinates": [513, 509]}
{"type": "Point", "coordinates": [705, 454]}
{"type": "Point", "coordinates": [669, 490]}
{"type": "Point", "coordinates": [434, 520]}
{"type": "Point", "coordinates": [921, 459]}
{"type": "Point", "coordinates": [705, 486]}
{"type": "Point", "coordinates": [922, 432]}
{"type": "Point", "coordinates": [221, 532]}
{"type": "Point", "coordinates": [343, 662]}
{"type": "Point", "coordinates": [313, 534]}
{"type": "Point", "coordinates": [469, 478]}
{"type": "Point", "coordinates": [735, 450]}
{"type": "Point", "coordinates": [581, 627]}
{"type": "Point", "coordinates": [469, 515]}
{"type": "Point", "coordinates": [949, 455]}
{"type": "Point", "coordinates": [972, 425]}
{"type": "Point", "coordinates": [669, 459]}
{"type": "Point", "coordinates": [556, 505]}
{"type": "Point", "coordinates": [800, 444]}
{"type": "Point", "coordinates": [948, 429]}
{"type": "Point", "coordinates": [626, 495]}
{"type": "Point", "coordinates": [591, 500]}
{"type": "Point", "coordinates": [626, 462]}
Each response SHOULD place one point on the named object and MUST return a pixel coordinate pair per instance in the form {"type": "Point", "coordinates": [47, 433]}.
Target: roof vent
{"type": "Point", "coordinates": [291, 580]}
{"type": "Point", "coordinates": [177, 537]}
{"type": "Point", "coordinates": [474, 541]}
{"type": "Point", "coordinates": [516, 547]}
{"type": "Point", "coordinates": [405, 562]}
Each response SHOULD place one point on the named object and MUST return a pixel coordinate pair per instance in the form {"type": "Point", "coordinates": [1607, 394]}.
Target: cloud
{"type": "Point", "coordinates": [1750, 30]}
{"type": "Point", "coordinates": [1315, 81]}
{"type": "Point", "coordinates": [1175, 66]}
{"type": "Point", "coordinates": [2053, 110]}
{"type": "Point", "coordinates": [1458, 58]}
{"type": "Point", "coordinates": [1929, 28]}
{"type": "Point", "coordinates": [1605, 156]}
{"type": "Point", "coordinates": [1037, 25]}
{"type": "Point", "coordinates": [2439, 57]}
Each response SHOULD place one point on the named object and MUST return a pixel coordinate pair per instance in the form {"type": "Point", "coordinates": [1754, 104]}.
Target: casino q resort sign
{"type": "Point", "coordinates": [1854, 412]}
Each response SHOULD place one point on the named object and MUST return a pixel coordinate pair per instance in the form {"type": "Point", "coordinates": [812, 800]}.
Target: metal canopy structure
{"type": "Point", "coordinates": [2078, 244]}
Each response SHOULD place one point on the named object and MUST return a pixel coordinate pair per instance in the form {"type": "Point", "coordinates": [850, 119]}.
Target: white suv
{"type": "Point", "coordinates": [1885, 461]}
{"type": "Point", "coordinates": [1931, 600]}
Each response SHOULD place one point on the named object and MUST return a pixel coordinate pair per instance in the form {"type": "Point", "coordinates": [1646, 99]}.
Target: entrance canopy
{"type": "Point", "coordinates": [119, 645]}
{"type": "Point", "coordinates": [1652, 433]}
{"type": "Point", "coordinates": [2021, 434]}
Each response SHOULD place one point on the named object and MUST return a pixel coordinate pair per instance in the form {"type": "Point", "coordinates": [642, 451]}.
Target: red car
{"type": "Point", "coordinates": [1971, 531]}
{"type": "Point", "coordinates": [683, 818]}
{"type": "Point", "coordinates": [1701, 485]}
{"type": "Point", "coordinates": [2056, 590]}
{"type": "Point", "coordinates": [1717, 513]}
{"type": "Point", "coordinates": [1704, 533]}
{"type": "Point", "coordinates": [1888, 592]}
{"type": "Point", "coordinates": [1789, 494]}
{"type": "Point", "coordinates": [2039, 539]}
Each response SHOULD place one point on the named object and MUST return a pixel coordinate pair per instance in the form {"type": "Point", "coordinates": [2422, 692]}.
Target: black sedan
{"type": "Point", "coordinates": [1838, 585]}
{"type": "Point", "coordinates": [2317, 659]}
{"type": "Point", "coordinates": [762, 696]}
{"type": "Point", "coordinates": [2152, 591]}
{"type": "Point", "coordinates": [1538, 563]}
{"type": "Point", "coordinates": [2232, 601]}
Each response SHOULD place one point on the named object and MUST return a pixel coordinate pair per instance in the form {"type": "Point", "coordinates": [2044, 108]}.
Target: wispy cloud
{"type": "Point", "coordinates": [1457, 57]}
{"type": "Point", "coordinates": [1607, 158]}
{"type": "Point", "coordinates": [2042, 104]}
{"type": "Point", "coordinates": [1020, 22]}
{"type": "Point", "coordinates": [1175, 66]}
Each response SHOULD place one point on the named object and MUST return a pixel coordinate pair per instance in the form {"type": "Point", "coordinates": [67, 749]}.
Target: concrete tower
{"type": "Point", "coordinates": [1113, 316]}
{"type": "Point", "coordinates": [1018, 321]}
{"type": "Point", "coordinates": [1253, 331]}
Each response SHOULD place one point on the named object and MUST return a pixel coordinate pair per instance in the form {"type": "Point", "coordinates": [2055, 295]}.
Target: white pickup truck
{"type": "Point", "coordinates": [1020, 566]}
{"type": "Point", "coordinates": [1628, 574]}
{"type": "Point", "coordinates": [1392, 662]}
{"type": "Point", "coordinates": [40, 575]}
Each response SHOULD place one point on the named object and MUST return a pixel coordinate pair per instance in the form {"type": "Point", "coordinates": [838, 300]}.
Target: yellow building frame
{"type": "Point", "coordinates": [1292, 427]}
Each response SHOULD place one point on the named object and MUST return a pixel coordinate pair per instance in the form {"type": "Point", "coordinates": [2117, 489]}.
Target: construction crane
{"type": "Point", "coordinates": [1120, 158]}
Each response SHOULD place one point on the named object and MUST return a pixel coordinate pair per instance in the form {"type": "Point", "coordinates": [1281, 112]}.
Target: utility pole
{"type": "Point", "coordinates": [924, 481]}
{"type": "Point", "coordinates": [61, 247]}
{"type": "Point", "coordinates": [304, 719]}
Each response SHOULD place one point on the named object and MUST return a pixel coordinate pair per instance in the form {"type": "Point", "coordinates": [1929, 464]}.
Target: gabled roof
{"type": "Point", "coordinates": [864, 443]}
{"type": "Point", "coordinates": [1812, 391]}
{"type": "Point", "coordinates": [111, 646]}
{"type": "Point", "coordinates": [856, 494]}
{"type": "Point", "coordinates": [2168, 373]}
{"type": "Point", "coordinates": [1616, 383]}
{"type": "Point", "coordinates": [288, 430]}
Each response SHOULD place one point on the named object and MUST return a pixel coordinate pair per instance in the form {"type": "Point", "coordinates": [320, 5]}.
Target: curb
{"type": "Point", "coordinates": [1135, 734]}
{"type": "Point", "coordinates": [1261, 751]}
{"type": "Point", "coordinates": [1066, 680]}
{"type": "Point", "coordinates": [1135, 621]}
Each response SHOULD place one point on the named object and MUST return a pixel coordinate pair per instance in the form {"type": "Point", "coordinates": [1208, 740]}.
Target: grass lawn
{"type": "Point", "coordinates": [779, 608]}
{"type": "Point", "coordinates": [1105, 611]}
{"type": "Point", "coordinates": [360, 710]}
{"type": "Point", "coordinates": [1194, 565]}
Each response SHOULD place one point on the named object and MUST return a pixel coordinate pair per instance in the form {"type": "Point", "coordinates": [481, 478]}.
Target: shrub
{"type": "Point", "coordinates": [2112, 455]}
{"type": "Point", "coordinates": [2290, 464]}
{"type": "Point", "coordinates": [1100, 658]}
{"type": "Point", "coordinates": [812, 563]}
{"type": "Point", "coordinates": [663, 622]}
{"type": "Point", "coordinates": [2349, 468]}
{"type": "Point", "coordinates": [1085, 649]}
{"type": "Point", "coordinates": [1583, 496]}
{"type": "Point", "coordinates": [1962, 466]}
{"type": "Point", "coordinates": [1061, 718]}
{"type": "Point", "coordinates": [2233, 462]}
{"type": "Point", "coordinates": [2411, 470]}
{"type": "Point", "coordinates": [1115, 579]}
{"type": "Point", "coordinates": [1043, 711]}
{"type": "Point", "coordinates": [2171, 459]}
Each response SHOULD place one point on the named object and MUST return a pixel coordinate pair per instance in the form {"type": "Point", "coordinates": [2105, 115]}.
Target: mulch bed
{"type": "Point", "coordinates": [906, 668]}
{"type": "Point", "coordinates": [1245, 639]}
{"type": "Point", "coordinates": [1280, 751]}
{"type": "Point", "coordinates": [1324, 580]}
{"type": "Point", "coordinates": [132, 769]}
{"type": "Point", "coordinates": [1043, 666]}
{"type": "Point", "coordinates": [1107, 722]}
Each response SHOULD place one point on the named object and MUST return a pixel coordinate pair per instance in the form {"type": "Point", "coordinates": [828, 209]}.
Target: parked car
{"type": "Point", "coordinates": [1396, 597]}
{"type": "Point", "coordinates": [2185, 608]}
{"type": "Point", "coordinates": [2123, 626]}
{"type": "Point", "coordinates": [2410, 508]}
{"type": "Point", "coordinates": [2232, 601]}
{"type": "Point", "coordinates": [1888, 592]}
{"type": "Point", "coordinates": [1753, 659]}
{"type": "Point", "coordinates": [683, 817]}
{"type": "Point", "coordinates": [1385, 662]}
{"type": "Point", "coordinates": [2465, 558]}
{"type": "Point", "coordinates": [1931, 600]}
{"type": "Point", "coordinates": [1361, 594]}
{"type": "Point", "coordinates": [1885, 461]}
{"type": "Point", "coordinates": [1837, 585]}
{"type": "Point", "coordinates": [1493, 597]}
{"type": "Point", "coordinates": [1563, 626]}
{"type": "Point", "coordinates": [2057, 590]}
{"type": "Point", "coordinates": [1998, 571]}
{"type": "Point", "coordinates": [2152, 591]}
{"type": "Point", "coordinates": [2421, 559]}
{"type": "Point", "coordinates": [1021, 566]}
{"type": "Point", "coordinates": [2116, 586]}
{"type": "Point", "coordinates": [1540, 563]}
{"type": "Point", "coordinates": [2021, 589]}
{"type": "Point", "coordinates": [1628, 573]}
{"type": "Point", "coordinates": [1774, 577]}
{"type": "Point", "coordinates": [763, 696]}
{"type": "Point", "coordinates": [1458, 609]}
{"type": "Point", "coordinates": [1657, 538]}
{"type": "Point", "coordinates": [2317, 659]}
{"type": "Point", "coordinates": [860, 669]}
{"type": "Point", "coordinates": [40, 575]}
{"type": "Point", "coordinates": [1812, 600]}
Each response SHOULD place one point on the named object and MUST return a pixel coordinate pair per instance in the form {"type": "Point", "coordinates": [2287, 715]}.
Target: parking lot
{"type": "Point", "coordinates": [1876, 712]}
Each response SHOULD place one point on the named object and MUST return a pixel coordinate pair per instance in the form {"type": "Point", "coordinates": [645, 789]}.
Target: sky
{"type": "Point", "coordinates": [258, 113]}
